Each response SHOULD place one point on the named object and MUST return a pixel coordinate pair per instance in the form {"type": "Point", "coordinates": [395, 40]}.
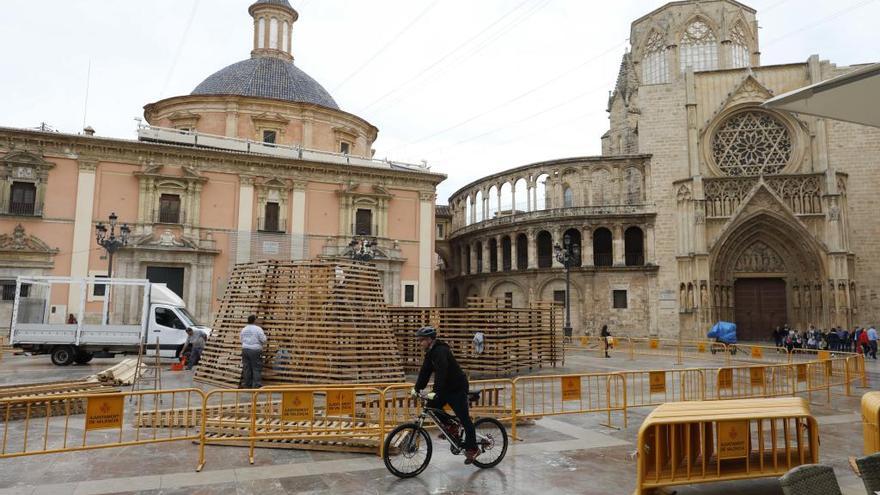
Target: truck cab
{"type": "Point", "coordinates": [168, 322]}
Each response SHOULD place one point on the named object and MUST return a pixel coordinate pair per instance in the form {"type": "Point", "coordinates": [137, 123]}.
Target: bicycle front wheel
{"type": "Point", "coordinates": [491, 441]}
{"type": "Point", "coordinates": [407, 450]}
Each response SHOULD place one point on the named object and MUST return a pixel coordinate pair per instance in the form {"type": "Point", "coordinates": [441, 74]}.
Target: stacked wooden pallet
{"type": "Point", "coordinates": [514, 338]}
{"type": "Point", "coordinates": [326, 321]}
{"type": "Point", "coordinates": [16, 407]}
{"type": "Point", "coordinates": [123, 373]}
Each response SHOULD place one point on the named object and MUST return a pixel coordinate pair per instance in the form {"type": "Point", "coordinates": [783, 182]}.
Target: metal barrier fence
{"type": "Point", "coordinates": [581, 393]}
{"type": "Point", "coordinates": [309, 414]}
{"type": "Point", "coordinates": [356, 417]}
{"type": "Point", "coordinates": [53, 425]}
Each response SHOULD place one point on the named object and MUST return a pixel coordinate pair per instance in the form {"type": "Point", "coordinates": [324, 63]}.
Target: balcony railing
{"type": "Point", "coordinates": [271, 225]}
{"type": "Point", "coordinates": [21, 207]}
{"type": "Point", "coordinates": [577, 211]}
{"type": "Point", "coordinates": [603, 259]}
{"type": "Point", "coordinates": [634, 259]}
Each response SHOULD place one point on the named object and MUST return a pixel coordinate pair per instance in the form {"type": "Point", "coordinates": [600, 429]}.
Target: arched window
{"type": "Point", "coordinates": [261, 33]}
{"type": "Point", "coordinates": [492, 197]}
{"type": "Point", "coordinates": [505, 254]}
{"type": "Point", "coordinates": [522, 252]}
{"type": "Point", "coordinates": [541, 192]}
{"type": "Point", "coordinates": [574, 237]}
{"type": "Point", "coordinates": [273, 33]}
{"type": "Point", "coordinates": [698, 47]}
{"type": "Point", "coordinates": [478, 247]}
{"type": "Point", "coordinates": [634, 246]}
{"type": "Point", "coordinates": [493, 255]}
{"type": "Point", "coordinates": [521, 200]}
{"type": "Point", "coordinates": [467, 259]}
{"type": "Point", "coordinates": [567, 197]}
{"type": "Point", "coordinates": [285, 37]}
{"type": "Point", "coordinates": [655, 69]}
{"type": "Point", "coordinates": [454, 298]}
{"type": "Point", "coordinates": [601, 187]}
{"type": "Point", "coordinates": [739, 46]}
{"type": "Point", "coordinates": [603, 250]}
{"type": "Point", "coordinates": [478, 204]}
{"type": "Point", "coordinates": [544, 247]}
{"type": "Point", "coordinates": [506, 199]}
{"type": "Point", "coordinates": [468, 209]}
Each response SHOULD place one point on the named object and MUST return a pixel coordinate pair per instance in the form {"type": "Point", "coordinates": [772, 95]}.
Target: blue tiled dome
{"type": "Point", "coordinates": [266, 77]}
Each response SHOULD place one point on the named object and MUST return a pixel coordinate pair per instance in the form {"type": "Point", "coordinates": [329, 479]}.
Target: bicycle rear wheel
{"type": "Point", "coordinates": [492, 442]}
{"type": "Point", "coordinates": [407, 450]}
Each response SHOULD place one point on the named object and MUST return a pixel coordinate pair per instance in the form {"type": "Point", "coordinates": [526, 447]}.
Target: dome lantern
{"type": "Point", "coordinates": [273, 27]}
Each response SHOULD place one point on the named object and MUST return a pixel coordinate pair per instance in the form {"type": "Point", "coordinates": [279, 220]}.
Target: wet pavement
{"type": "Point", "coordinates": [560, 454]}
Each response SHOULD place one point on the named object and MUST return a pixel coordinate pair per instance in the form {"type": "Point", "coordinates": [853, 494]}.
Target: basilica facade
{"type": "Point", "coordinates": [257, 162]}
{"type": "Point", "coordinates": [704, 205]}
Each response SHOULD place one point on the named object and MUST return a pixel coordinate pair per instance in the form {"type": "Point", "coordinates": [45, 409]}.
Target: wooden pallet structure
{"type": "Point", "coordinates": [53, 392]}
{"type": "Point", "coordinates": [515, 339]}
{"type": "Point", "coordinates": [325, 320]}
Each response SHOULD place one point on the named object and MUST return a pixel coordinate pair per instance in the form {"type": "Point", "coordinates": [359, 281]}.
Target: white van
{"type": "Point", "coordinates": [155, 313]}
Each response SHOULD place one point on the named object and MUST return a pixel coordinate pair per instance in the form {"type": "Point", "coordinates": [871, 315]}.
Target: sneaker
{"type": "Point", "coordinates": [470, 455]}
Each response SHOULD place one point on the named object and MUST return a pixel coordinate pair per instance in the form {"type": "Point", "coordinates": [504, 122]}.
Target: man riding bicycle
{"type": "Point", "coordinates": [450, 385]}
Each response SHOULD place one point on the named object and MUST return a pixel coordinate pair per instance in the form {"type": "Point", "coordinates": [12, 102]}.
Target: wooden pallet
{"type": "Point", "coordinates": [326, 322]}
{"type": "Point", "coordinates": [53, 405]}
{"type": "Point", "coordinates": [514, 338]}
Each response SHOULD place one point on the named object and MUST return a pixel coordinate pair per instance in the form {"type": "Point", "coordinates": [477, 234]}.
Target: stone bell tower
{"type": "Point", "coordinates": [273, 25]}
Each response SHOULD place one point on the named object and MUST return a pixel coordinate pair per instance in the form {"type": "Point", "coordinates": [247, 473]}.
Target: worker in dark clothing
{"type": "Point", "coordinates": [450, 385]}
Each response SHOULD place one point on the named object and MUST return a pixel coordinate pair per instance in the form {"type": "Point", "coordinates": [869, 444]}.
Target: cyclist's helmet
{"type": "Point", "coordinates": [426, 332]}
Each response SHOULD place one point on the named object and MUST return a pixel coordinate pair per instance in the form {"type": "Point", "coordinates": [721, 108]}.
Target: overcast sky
{"type": "Point", "coordinates": [473, 87]}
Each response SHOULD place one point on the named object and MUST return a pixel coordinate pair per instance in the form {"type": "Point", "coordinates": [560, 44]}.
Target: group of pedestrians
{"type": "Point", "coordinates": [835, 339]}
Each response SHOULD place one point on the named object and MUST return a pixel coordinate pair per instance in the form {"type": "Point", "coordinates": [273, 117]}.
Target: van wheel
{"type": "Point", "coordinates": [63, 355]}
{"type": "Point", "coordinates": [83, 357]}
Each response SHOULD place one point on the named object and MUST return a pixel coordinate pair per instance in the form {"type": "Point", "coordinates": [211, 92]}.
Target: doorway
{"type": "Point", "coordinates": [760, 305]}
{"type": "Point", "coordinates": [168, 275]}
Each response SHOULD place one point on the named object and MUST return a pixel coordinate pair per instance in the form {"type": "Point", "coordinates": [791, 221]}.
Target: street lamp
{"type": "Point", "coordinates": [361, 249]}
{"type": "Point", "coordinates": [568, 254]}
{"type": "Point", "coordinates": [108, 239]}
{"type": "Point", "coordinates": [111, 243]}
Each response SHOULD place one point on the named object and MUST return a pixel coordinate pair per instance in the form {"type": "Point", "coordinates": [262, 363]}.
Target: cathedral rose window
{"type": "Point", "coordinates": [751, 143]}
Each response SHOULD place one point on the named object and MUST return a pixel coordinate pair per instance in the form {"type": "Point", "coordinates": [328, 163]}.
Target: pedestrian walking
{"type": "Point", "coordinates": [253, 339]}
{"type": "Point", "coordinates": [606, 338]}
{"type": "Point", "coordinates": [864, 343]}
{"type": "Point", "coordinates": [872, 341]}
{"type": "Point", "coordinates": [195, 345]}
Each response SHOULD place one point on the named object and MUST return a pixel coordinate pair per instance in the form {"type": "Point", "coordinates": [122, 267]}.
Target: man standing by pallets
{"type": "Point", "coordinates": [252, 341]}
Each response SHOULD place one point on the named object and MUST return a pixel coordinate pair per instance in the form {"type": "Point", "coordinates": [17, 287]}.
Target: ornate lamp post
{"type": "Point", "coordinates": [107, 239]}
{"type": "Point", "coordinates": [567, 254]}
{"type": "Point", "coordinates": [361, 249]}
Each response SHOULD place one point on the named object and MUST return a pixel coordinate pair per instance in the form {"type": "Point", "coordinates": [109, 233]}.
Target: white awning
{"type": "Point", "coordinates": [852, 97]}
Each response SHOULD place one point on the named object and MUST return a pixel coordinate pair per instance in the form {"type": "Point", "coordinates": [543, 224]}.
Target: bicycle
{"type": "Point", "coordinates": [410, 444]}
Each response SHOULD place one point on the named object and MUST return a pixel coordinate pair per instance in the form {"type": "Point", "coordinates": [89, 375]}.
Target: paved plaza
{"type": "Point", "coordinates": [560, 454]}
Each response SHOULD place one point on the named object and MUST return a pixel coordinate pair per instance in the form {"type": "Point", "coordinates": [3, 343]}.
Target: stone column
{"type": "Point", "coordinates": [499, 254]}
{"type": "Point", "coordinates": [587, 246]}
{"type": "Point", "coordinates": [473, 269]}
{"type": "Point", "coordinates": [532, 249]}
{"type": "Point", "coordinates": [82, 230]}
{"type": "Point", "coordinates": [649, 245]}
{"type": "Point", "coordinates": [557, 239]}
{"type": "Point", "coordinates": [618, 246]}
{"type": "Point", "coordinates": [499, 201]}
{"type": "Point", "coordinates": [245, 219]}
{"type": "Point", "coordinates": [298, 221]}
{"type": "Point", "coordinates": [426, 248]}
{"type": "Point", "coordinates": [513, 198]}
{"type": "Point", "coordinates": [513, 253]}
{"type": "Point", "coordinates": [463, 257]}
{"type": "Point", "coordinates": [485, 244]}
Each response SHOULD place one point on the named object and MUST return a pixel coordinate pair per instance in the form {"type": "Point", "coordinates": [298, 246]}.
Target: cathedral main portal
{"type": "Point", "coordinates": [760, 307]}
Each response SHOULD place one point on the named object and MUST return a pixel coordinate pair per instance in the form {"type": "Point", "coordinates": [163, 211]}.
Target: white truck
{"type": "Point", "coordinates": [152, 311]}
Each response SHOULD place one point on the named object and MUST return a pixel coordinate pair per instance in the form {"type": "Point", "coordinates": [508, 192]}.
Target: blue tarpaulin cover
{"type": "Point", "coordinates": [723, 331]}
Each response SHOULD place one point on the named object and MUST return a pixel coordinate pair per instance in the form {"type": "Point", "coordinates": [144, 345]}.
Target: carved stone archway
{"type": "Point", "coordinates": [767, 242]}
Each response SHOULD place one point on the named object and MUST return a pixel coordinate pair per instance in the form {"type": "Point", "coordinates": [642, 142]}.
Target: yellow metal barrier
{"type": "Point", "coordinates": [651, 388]}
{"type": "Point", "coordinates": [551, 395]}
{"type": "Point", "coordinates": [683, 443]}
{"type": "Point", "coordinates": [353, 416]}
{"type": "Point", "coordinates": [871, 422]}
{"type": "Point", "coordinates": [110, 420]}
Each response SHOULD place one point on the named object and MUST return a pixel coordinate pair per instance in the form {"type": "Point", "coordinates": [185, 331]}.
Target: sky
{"type": "Point", "coordinates": [471, 87]}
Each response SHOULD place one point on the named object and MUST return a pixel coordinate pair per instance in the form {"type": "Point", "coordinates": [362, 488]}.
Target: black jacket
{"type": "Point", "coordinates": [448, 376]}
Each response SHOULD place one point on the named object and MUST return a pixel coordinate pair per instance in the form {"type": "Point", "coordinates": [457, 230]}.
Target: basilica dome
{"type": "Point", "coordinates": [266, 77]}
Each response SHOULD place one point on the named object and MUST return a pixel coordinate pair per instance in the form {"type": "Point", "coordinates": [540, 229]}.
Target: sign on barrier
{"type": "Point", "coordinates": [757, 353]}
{"type": "Point", "coordinates": [584, 341]}
{"type": "Point", "coordinates": [104, 412]}
{"type": "Point", "coordinates": [297, 406]}
{"type": "Point", "coordinates": [733, 439]}
{"type": "Point", "coordinates": [571, 388]}
{"type": "Point", "coordinates": [725, 378]}
{"type": "Point", "coordinates": [756, 376]}
{"type": "Point", "coordinates": [340, 403]}
{"type": "Point", "coordinates": [701, 347]}
{"type": "Point", "coordinates": [823, 355]}
{"type": "Point", "coordinates": [657, 380]}
{"type": "Point", "coordinates": [801, 372]}
{"type": "Point", "coordinates": [654, 343]}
